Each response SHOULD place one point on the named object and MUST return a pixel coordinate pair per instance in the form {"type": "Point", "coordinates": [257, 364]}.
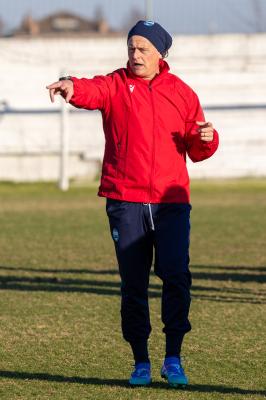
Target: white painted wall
{"type": "Point", "coordinates": [222, 69]}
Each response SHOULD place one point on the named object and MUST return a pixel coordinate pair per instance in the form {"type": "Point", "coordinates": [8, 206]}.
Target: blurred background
{"type": "Point", "coordinates": [219, 49]}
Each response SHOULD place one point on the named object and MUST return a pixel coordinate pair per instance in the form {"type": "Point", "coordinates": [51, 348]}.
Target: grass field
{"type": "Point", "coordinates": [59, 309]}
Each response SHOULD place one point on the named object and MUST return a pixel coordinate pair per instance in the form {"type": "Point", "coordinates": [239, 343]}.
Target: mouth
{"type": "Point", "coordinates": [137, 65]}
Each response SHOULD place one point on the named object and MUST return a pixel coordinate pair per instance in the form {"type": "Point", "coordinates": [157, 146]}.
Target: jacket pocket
{"type": "Point", "coordinates": [121, 162]}
{"type": "Point", "coordinates": [121, 110]}
{"type": "Point", "coordinates": [122, 150]}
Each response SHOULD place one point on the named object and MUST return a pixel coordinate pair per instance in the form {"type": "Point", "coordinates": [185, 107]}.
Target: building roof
{"type": "Point", "coordinates": [61, 23]}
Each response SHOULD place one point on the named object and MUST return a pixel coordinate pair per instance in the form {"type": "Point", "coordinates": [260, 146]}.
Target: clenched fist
{"type": "Point", "coordinates": [205, 131]}
{"type": "Point", "coordinates": [65, 88]}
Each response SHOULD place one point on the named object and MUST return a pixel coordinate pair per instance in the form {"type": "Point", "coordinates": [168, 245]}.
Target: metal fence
{"type": "Point", "coordinates": [65, 114]}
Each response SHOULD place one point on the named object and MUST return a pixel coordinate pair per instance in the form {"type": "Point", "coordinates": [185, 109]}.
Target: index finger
{"type": "Point", "coordinates": [54, 85]}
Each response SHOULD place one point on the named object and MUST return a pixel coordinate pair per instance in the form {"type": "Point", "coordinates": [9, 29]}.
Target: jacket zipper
{"type": "Point", "coordinates": [153, 144]}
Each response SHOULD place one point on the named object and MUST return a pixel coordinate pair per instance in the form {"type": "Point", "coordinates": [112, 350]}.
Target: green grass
{"type": "Point", "coordinates": [59, 309]}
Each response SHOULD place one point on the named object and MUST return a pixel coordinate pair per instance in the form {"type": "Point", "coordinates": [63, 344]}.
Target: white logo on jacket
{"type": "Point", "coordinates": [131, 88]}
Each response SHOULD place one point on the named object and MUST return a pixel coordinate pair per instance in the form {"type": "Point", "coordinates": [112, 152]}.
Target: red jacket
{"type": "Point", "coordinates": [149, 127]}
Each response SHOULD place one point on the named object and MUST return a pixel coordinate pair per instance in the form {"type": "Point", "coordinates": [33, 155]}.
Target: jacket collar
{"type": "Point", "coordinates": [163, 69]}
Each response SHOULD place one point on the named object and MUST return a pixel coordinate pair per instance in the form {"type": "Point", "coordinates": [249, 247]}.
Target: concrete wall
{"type": "Point", "coordinates": [223, 70]}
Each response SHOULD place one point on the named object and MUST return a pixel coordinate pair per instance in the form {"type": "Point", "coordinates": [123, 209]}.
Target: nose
{"type": "Point", "coordinates": [135, 54]}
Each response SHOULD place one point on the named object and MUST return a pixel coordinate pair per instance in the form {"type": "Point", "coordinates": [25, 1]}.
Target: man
{"type": "Point", "coordinates": [151, 120]}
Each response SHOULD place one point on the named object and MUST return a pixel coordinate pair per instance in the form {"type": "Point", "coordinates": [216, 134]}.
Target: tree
{"type": "Point", "coordinates": [134, 16]}
{"type": "Point", "coordinates": [2, 26]}
{"type": "Point", "coordinates": [99, 14]}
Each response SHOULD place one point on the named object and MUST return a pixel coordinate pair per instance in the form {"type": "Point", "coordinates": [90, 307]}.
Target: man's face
{"type": "Point", "coordinates": [143, 57]}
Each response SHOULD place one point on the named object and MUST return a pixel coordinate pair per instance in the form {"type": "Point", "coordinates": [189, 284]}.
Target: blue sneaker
{"type": "Point", "coordinates": [141, 376]}
{"type": "Point", "coordinates": [173, 372]}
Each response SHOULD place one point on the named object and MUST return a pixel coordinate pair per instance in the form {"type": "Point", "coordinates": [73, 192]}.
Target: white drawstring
{"type": "Point", "coordinates": [152, 223]}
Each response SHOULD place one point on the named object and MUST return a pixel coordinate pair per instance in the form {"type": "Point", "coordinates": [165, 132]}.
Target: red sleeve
{"type": "Point", "coordinates": [91, 94]}
{"type": "Point", "coordinates": [197, 149]}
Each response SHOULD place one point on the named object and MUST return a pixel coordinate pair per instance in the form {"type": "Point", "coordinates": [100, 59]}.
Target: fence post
{"type": "Point", "coordinates": [64, 146]}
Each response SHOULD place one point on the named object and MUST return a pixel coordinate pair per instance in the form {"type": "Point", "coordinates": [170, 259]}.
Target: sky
{"type": "Point", "coordinates": [177, 16]}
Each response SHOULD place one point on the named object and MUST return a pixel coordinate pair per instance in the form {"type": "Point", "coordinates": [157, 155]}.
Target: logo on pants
{"type": "Point", "coordinates": [115, 235]}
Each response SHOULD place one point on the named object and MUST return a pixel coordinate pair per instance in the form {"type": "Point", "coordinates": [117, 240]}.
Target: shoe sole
{"type": "Point", "coordinates": [175, 385]}
{"type": "Point", "coordinates": [139, 384]}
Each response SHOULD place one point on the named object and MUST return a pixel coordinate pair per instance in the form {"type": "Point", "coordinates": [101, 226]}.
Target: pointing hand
{"type": "Point", "coordinates": [65, 88]}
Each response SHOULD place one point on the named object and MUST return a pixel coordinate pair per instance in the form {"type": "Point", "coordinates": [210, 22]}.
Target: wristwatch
{"type": "Point", "coordinates": [65, 78]}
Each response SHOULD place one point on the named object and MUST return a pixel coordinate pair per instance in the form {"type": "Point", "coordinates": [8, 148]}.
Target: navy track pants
{"type": "Point", "coordinates": [140, 230]}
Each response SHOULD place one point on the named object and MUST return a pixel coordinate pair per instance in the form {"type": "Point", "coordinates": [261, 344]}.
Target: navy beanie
{"type": "Point", "coordinates": [154, 32]}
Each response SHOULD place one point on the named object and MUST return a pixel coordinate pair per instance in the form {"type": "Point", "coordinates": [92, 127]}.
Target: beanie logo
{"type": "Point", "coordinates": [148, 23]}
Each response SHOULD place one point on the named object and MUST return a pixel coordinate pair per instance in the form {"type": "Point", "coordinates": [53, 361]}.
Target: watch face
{"type": "Point", "coordinates": [65, 78]}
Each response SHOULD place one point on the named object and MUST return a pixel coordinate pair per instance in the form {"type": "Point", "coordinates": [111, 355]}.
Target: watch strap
{"type": "Point", "coordinates": [65, 78]}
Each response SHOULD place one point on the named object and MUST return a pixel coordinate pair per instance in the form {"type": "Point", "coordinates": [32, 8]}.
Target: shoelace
{"type": "Point", "coordinates": [174, 369]}
{"type": "Point", "coordinates": [140, 371]}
